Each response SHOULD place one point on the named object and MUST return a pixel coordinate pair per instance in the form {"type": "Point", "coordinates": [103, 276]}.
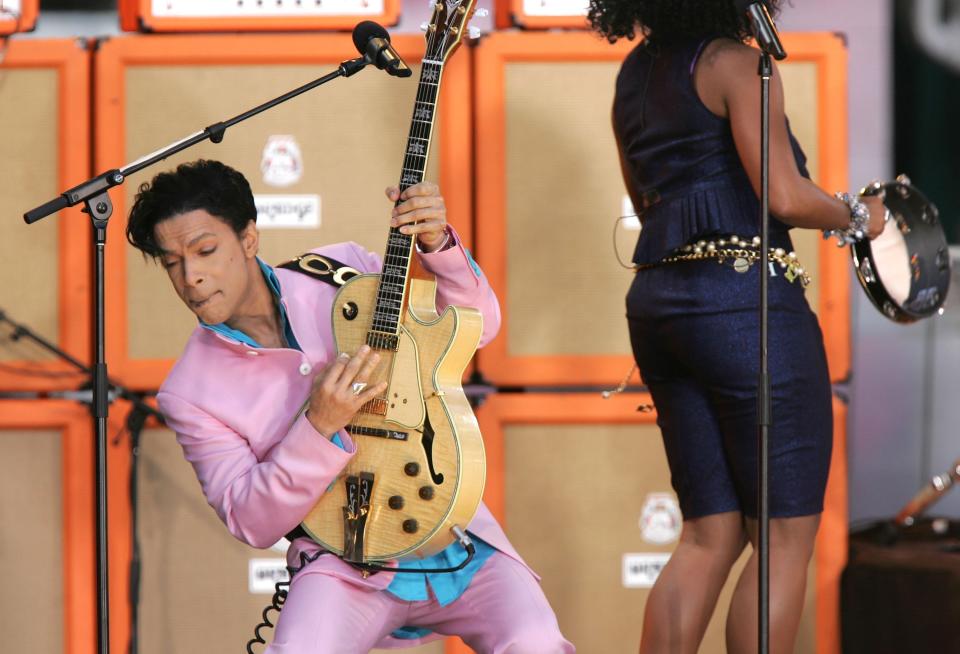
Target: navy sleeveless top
{"type": "Point", "coordinates": [681, 156]}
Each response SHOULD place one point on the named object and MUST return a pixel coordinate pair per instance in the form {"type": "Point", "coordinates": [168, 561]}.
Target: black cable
{"type": "Point", "coordinates": [134, 426]}
{"type": "Point", "coordinates": [281, 589]}
{"type": "Point", "coordinates": [469, 546]}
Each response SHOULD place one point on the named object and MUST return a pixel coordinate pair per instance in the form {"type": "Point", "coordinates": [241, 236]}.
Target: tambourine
{"type": "Point", "coordinates": [906, 270]}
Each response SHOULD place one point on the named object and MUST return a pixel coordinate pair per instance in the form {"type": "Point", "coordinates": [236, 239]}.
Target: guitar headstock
{"type": "Point", "coordinates": [447, 26]}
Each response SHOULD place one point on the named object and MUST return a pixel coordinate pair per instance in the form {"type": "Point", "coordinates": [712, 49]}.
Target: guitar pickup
{"type": "Point", "coordinates": [383, 341]}
{"type": "Point", "coordinates": [389, 434]}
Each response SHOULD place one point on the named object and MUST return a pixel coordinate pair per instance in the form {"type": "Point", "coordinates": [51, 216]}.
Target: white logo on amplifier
{"type": "Point", "coordinates": [555, 7]}
{"type": "Point", "coordinates": [281, 162]}
{"type": "Point", "coordinates": [642, 570]}
{"type": "Point", "coordinates": [287, 211]}
{"type": "Point", "coordinates": [660, 520]}
{"type": "Point", "coordinates": [265, 573]}
{"type": "Point", "coordinates": [254, 10]}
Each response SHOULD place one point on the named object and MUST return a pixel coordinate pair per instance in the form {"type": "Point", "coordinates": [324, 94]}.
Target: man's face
{"type": "Point", "coordinates": [209, 265]}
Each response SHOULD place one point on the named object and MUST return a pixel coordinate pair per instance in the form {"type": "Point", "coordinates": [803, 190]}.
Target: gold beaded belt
{"type": "Point", "coordinates": [742, 254]}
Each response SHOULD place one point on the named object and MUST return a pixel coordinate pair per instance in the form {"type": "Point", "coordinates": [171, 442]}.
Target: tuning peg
{"type": "Point", "coordinates": [424, 26]}
{"type": "Point", "coordinates": [473, 32]}
{"type": "Point", "coordinates": [481, 12]}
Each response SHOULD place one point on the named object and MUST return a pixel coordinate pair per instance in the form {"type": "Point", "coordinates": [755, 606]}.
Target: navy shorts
{"type": "Point", "coordinates": [695, 333]}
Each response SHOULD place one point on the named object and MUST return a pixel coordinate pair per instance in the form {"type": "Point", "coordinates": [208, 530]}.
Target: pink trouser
{"type": "Point", "coordinates": [504, 611]}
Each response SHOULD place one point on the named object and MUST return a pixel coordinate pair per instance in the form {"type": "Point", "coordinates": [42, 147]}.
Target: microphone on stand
{"type": "Point", "coordinates": [930, 493]}
{"type": "Point", "coordinates": [373, 42]}
{"type": "Point", "coordinates": [764, 30]}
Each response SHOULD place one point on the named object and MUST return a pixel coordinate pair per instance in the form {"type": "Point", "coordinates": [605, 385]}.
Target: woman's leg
{"type": "Point", "coordinates": [791, 546]}
{"type": "Point", "coordinates": [683, 598]}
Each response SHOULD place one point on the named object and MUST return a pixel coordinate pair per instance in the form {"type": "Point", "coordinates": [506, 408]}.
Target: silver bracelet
{"type": "Point", "coordinates": [859, 219]}
{"type": "Point", "coordinates": [446, 242]}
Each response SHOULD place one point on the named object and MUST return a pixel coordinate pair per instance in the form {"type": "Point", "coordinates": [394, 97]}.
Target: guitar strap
{"type": "Point", "coordinates": [320, 266]}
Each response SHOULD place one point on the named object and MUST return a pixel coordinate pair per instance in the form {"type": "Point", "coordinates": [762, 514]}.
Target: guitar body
{"type": "Point", "coordinates": [418, 445]}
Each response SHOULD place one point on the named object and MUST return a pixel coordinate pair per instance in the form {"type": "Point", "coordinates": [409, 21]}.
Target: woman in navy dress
{"type": "Point", "coordinates": [686, 118]}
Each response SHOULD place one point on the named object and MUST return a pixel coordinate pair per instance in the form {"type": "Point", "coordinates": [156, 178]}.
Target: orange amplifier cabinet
{"type": "Point", "coordinates": [550, 193]}
{"type": "Point", "coordinates": [272, 16]}
{"type": "Point", "coordinates": [18, 16]}
{"type": "Point", "coordinates": [582, 488]}
{"type": "Point", "coordinates": [47, 500]}
{"type": "Point", "coordinates": [45, 130]}
{"type": "Point", "coordinates": [346, 138]}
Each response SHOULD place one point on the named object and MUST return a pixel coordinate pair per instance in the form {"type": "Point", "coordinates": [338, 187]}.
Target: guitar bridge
{"type": "Point", "coordinates": [359, 492]}
{"type": "Point", "coordinates": [377, 406]}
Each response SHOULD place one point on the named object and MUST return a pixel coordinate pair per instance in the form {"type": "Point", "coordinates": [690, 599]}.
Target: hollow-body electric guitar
{"type": "Point", "coordinates": [419, 467]}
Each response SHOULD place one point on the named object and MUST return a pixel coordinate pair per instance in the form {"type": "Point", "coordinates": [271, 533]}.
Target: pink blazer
{"type": "Point", "coordinates": [233, 408]}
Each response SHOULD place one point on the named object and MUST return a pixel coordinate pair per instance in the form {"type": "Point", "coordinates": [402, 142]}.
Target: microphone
{"type": "Point", "coordinates": [764, 29]}
{"type": "Point", "coordinates": [930, 493]}
{"type": "Point", "coordinates": [373, 43]}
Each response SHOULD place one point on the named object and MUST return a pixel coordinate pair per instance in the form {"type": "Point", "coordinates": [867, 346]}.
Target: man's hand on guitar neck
{"type": "Point", "coordinates": [420, 210]}
{"type": "Point", "coordinates": [335, 397]}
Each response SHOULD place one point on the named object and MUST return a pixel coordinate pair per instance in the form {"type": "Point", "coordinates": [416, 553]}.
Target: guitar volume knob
{"type": "Point", "coordinates": [410, 526]}
{"type": "Point", "coordinates": [412, 469]}
{"type": "Point", "coordinates": [350, 310]}
{"type": "Point", "coordinates": [395, 502]}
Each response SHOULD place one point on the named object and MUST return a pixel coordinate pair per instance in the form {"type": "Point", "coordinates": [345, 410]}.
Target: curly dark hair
{"type": "Point", "coordinates": [666, 21]}
{"type": "Point", "coordinates": [203, 184]}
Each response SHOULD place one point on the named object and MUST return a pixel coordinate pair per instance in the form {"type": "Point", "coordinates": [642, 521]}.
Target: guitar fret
{"type": "Point", "coordinates": [396, 260]}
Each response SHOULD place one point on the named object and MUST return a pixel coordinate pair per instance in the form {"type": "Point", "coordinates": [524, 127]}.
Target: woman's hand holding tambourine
{"type": "Point", "coordinates": [878, 215]}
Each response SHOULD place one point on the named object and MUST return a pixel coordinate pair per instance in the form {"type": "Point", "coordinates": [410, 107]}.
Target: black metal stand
{"type": "Point", "coordinates": [94, 195]}
{"type": "Point", "coordinates": [764, 416]}
{"type": "Point", "coordinates": [769, 43]}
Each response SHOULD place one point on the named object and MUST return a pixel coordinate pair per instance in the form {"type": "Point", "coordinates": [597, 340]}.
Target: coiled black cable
{"type": "Point", "coordinates": [281, 589]}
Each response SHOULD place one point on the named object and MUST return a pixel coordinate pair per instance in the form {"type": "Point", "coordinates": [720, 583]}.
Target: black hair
{"type": "Point", "coordinates": [667, 21]}
{"type": "Point", "coordinates": [203, 184]}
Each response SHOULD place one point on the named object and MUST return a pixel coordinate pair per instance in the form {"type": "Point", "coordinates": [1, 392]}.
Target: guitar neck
{"type": "Point", "coordinates": [392, 291]}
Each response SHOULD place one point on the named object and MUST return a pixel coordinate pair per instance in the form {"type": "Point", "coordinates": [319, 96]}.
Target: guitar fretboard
{"type": "Point", "coordinates": [396, 261]}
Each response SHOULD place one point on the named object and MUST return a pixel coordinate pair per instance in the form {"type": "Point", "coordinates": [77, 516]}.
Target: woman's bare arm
{"type": "Point", "coordinates": [727, 82]}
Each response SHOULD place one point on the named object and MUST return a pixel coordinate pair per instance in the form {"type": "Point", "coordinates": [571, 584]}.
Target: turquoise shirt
{"type": "Point", "coordinates": [446, 586]}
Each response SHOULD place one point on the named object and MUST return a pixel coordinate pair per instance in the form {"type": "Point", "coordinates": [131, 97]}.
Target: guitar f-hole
{"type": "Point", "coordinates": [427, 442]}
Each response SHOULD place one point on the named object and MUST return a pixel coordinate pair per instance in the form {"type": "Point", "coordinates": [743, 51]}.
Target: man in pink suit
{"type": "Point", "coordinates": [263, 347]}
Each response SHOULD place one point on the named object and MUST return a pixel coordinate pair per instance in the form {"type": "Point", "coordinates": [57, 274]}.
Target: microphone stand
{"type": "Point", "coordinates": [764, 417]}
{"type": "Point", "coordinates": [769, 43]}
{"type": "Point", "coordinates": [93, 194]}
